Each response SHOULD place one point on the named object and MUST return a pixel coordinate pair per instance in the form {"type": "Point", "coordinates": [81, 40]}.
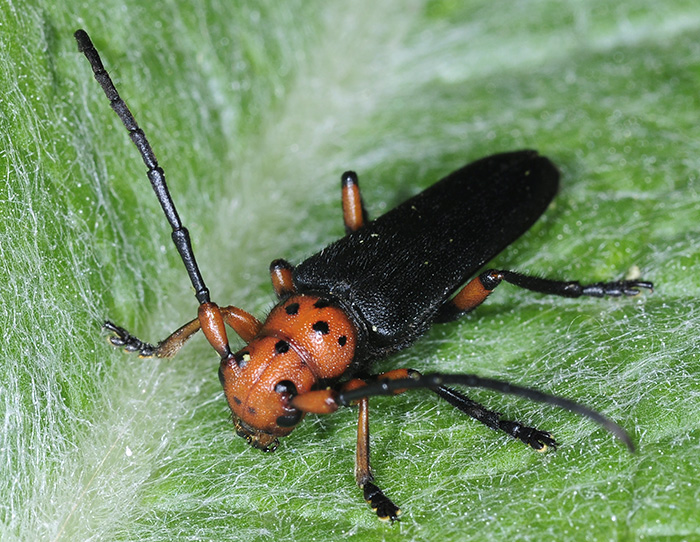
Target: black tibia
{"type": "Point", "coordinates": [535, 438]}
{"type": "Point", "coordinates": [164, 349]}
{"type": "Point", "coordinates": [477, 290]}
{"type": "Point", "coordinates": [492, 278]}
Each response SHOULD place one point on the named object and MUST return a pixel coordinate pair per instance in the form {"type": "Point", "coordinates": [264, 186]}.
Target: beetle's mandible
{"type": "Point", "coordinates": [369, 294]}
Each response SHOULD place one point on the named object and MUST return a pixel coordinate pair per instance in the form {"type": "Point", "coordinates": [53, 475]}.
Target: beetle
{"type": "Point", "coordinates": [368, 295]}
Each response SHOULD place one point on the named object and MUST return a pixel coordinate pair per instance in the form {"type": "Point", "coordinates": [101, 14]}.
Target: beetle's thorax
{"type": "Point", "coordinates": [305, 340]}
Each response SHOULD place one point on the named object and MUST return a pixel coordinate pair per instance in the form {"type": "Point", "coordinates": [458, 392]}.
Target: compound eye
{"type": "Point", "coordinates": [290, 420]}
{"type": "Point", "coordinates": [242, 358]}
{"type": "Point", "coordinates": [286, 387]}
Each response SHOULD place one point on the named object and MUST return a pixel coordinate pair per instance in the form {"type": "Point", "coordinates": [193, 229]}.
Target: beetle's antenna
{"type": "Point", "coordinates": [180, 235]}
{"type": "Point", "coordinates": [387, 386]}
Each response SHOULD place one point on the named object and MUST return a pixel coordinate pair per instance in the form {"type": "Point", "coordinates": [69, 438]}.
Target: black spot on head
{"type": "Point", "coordinates": [281, 347]}
{"type": "Point", "coordinates": [237, 400]}
{"type": "Point", "coordinates": [322, 303]}
{"type": "Point", "coordinates": [252, 411]}
{"type": "Point", "coordinates": [321, 327]}
{"type": "Point", "coordinates": [342, 340]}
{"type": "Point", "coordinates": [292, 308]}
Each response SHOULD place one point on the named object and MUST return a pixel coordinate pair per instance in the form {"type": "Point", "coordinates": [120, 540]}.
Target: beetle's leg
{"type": "Point", "coordinates": [400, 380]}
{"type": "Point", "coordinates": [385, 509]}
{"type": "Point", "coordinates": [478, 289]}
{"type": "Point", "coordinates": [243, 323]}
{"type": "Point", "coordinates": [535, 438]}
{"type": "Point", "coordinates": [493, 278]}
{"type": "Point", "coordinates": [166, 348]}
{"type": "Point", "coordinates": [323, 402]}
{"type": "Point", "coordinates": [281, 275]}
{"type": "Point", "coordinates": [354, 213]}
{"type": "Point", "coordinates": [213, 319]}
{"type": "Point", "coordinates": [473, 294]}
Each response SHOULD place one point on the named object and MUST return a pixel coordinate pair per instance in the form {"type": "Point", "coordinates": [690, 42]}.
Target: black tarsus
{"type": "Point", "coordinates": [380, 503]}
{"type": "Point", "coordinates": [180, 235]}
{"type": "Point", "coordinates": [492, 278]}
{"type": "Point", "coordinates": [433, 381]}
{"type": "Point", "coordinates": [123, 339]}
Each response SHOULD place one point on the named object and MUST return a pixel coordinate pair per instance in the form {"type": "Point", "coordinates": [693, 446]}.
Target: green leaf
{"type": "Point", "coordinates": [254, 109]}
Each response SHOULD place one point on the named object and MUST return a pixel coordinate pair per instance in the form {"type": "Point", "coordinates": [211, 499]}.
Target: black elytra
{"type": "Point", "coordinates": [398, 270]}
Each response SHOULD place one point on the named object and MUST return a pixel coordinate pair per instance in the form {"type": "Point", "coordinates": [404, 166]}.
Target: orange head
{"type": "Point", "coordinates": [306, 340]}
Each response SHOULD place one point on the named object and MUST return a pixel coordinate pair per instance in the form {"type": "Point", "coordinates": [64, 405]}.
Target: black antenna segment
{"type": "Point", "coordinates": [180, 235]}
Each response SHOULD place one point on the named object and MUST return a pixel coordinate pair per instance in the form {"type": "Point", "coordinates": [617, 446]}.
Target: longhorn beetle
{"type": "Point", "coordinates": [367, 295]}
